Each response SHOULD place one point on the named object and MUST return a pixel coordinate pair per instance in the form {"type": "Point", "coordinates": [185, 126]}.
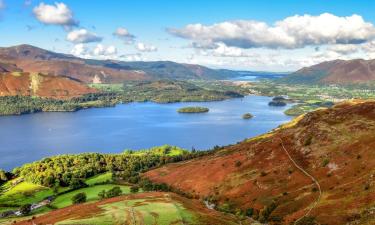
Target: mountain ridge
{"type": "Point", "coordinates": [37, 60]}
{"type": "Point", "coordinates": [345, 72]}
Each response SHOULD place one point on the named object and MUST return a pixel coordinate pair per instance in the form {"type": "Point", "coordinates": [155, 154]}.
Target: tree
{"type": "Point", "coordinates": [134, 189]}
{"type": "Point", "coordinates": [3, 175]}
{"type": "Point", "coordinates": [79, 198]}
{"type": "Point", "coordinates": [115, 191]}
{"type": "Point", "coordinates": [102, 194]}
{"type": "Point", "coordinates": [25, 209]}
{"type": "Point", "coordinates": [77, 184]}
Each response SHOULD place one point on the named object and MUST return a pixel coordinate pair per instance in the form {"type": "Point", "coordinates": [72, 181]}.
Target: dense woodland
{"type": "Point", "coordinates": [17, 105]}
{"type": "Point", "coordinates": [71, 170]}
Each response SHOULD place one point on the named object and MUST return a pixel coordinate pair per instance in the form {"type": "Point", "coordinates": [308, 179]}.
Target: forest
{"type": "Point", "coordinates": [71, 170]}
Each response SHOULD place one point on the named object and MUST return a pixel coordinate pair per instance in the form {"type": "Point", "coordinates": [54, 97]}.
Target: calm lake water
{"type": "Point", "coordinates": [31, 137]}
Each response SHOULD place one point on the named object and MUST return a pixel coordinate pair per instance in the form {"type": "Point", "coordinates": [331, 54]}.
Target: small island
{"type": "Point", "coordinates": [194, 109]}
{"type": "Point", "coordinates": [278, 101]}
{"type": "Point", "coordinates": [247, 116]}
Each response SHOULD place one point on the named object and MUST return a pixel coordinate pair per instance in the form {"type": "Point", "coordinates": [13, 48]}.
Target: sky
{"type": "Point", "coordinates": [264, 35]}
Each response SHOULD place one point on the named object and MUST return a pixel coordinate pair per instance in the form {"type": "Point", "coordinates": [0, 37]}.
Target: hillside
{"type": "Point", "coordinates": [333, 145]}
{"type": "Point", "coordinates": [37, 60]}
{"type": "Point", "coordinates": [357, 71]}
{"type": "Point", "coordinates": [143, 208]}
{"type": "Point", "coordinates": [35, 84]}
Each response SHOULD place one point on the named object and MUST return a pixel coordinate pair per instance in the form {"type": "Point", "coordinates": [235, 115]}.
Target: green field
{"type": "Point", "coordinates": [156, 210]}
{"type": "Point", "coordinates": [99, 179]}
{"type": "Point", "coordinates": [91, 193]}
{"type": "Point", "coordinates": [24, 193]}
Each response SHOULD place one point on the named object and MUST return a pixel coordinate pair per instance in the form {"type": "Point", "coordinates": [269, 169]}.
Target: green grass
{"type": "Point", "coordinates": [25, 193]}
{"type": "Point", "coordinates": [108, 87]}
{"type": "Point", "coordinates": [166, 150]}
{"type": "Point", "coordinates": [155, 210]}
{"type": "Point", "coordinates": [91, 193]}
{"type": "Point", "coordinates": [99, 179]}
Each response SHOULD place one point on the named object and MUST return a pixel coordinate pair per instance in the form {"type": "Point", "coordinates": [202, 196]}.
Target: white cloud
{"type": "Point", "coordinates": [57, 14]}
{"type": "Point", "coordinates": [102, 51]}
{"type": "Point", "coordinates": [344, 49]}
{"type": "Point", "coordinates": [224, 51]}
{"type": "Point", "coordinates": [145, 48]}
{"type": "Point", "coordinates": [79, 50]}
{"type": "Point", "coordinates": [290, 33]}
{"type": "Point", "coordinates": [132, 57]}
{"type": "Point", "coordinates": [83, 36]}
{"type": "Point", "coordinates": [98, 52]}
{"type": "Point", "coordinates": [124, 34]}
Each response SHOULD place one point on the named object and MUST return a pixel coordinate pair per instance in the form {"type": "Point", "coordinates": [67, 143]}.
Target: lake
{"type": "Point", "coordinates": [135, 126]}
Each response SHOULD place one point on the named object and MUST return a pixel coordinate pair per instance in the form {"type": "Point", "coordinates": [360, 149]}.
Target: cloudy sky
{"type": "Point", "coordinates": [271, 35]}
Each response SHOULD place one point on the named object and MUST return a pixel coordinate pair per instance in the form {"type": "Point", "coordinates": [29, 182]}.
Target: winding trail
{"type": "Point", "coordinates": [308, 175]}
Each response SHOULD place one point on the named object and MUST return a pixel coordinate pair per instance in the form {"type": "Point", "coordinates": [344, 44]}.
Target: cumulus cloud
{"type": "Point", "coordinates": [131, 57]}
{"type": "Point", "coordinates": [79, 50]}
{"type": "Point", "coordinates": [124, 35]}
{"type": "Point", "coordinates": [82, 36]}
{"type": "Point", "coordinates": [145, 48]}
{"type": "Point", "coordinates": [344, 49]}
{"type": "Point", "coordinates": [224, 51]}
{"type": "Point", "coordinates": [57, 14]}
{"type": "Point", "coordinates": [290, 33]}
{"type": "Point", "coordinates": [101, 50]}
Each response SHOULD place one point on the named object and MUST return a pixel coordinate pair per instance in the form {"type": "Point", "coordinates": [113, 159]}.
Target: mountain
{"type": "Point", "coordinates": [333, 146]}
{"type": "Point", "coordinates": [356, 71]}
{"type": "Point", "coordinates": [37, 60]}
{"type": "Point", "coordinates": [35, 84]}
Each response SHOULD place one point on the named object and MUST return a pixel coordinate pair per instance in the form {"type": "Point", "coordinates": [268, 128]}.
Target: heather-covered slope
{"type": "Point", "coordinates": [355, 71]}
{"type": "Point", "coordinates": [335, 146]}
{"type": "Point", "coordinates": [34, 84]}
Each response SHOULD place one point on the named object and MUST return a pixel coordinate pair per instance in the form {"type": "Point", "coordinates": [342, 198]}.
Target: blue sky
{"type": "Point", "coordinates": [240, 48]}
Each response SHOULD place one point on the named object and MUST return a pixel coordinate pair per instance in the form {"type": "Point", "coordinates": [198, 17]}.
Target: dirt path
{"type": "Point", "coordinates": [308, 175]}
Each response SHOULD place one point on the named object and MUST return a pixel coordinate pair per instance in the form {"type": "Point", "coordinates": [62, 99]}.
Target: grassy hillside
{"type": "Point", "coordinates": [145, 208]}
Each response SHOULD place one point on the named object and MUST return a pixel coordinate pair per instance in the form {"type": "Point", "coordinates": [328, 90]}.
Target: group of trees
{"type": "Point", "coordinates": [115, 191]}
{"type": "Point", "coordinates": [71, 170]}
{"type": "Point", "coordinates": [16, 105]}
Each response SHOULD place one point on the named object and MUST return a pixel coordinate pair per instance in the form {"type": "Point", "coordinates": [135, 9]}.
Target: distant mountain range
{"type": "Point", "coordinates": [356, 71]}
{"type": "Point", "coordinates": [28, 58]}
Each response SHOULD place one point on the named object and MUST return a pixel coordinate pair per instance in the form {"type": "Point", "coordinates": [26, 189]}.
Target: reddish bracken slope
{"type": "Point", "coordinates": [27, 84]}
{"type": "Point", "coordinates": [336, 146]}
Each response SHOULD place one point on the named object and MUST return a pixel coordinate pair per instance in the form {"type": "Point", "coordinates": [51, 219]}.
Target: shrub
{"type": "Point", "coordinates": [79, 198]}
{"type": "Point", "coordinates": [249, 212]}
{"type": "Point", "coordinates": [325, 162]}
{"type": "Point", "coordinates": [134, 189]}
{"type": "Point", "coordinates": [307, 220]}
{"type": "Point", "coordinates": [77, 184]}
{"type": "Point", "coordinates": [115, 191]}
{"type": "Point", "coordinates": [25, 209]}
{"type": "Point", "coordinates": [102, 194]}
{"type": "Point", "coordinates": [238, 163]}
{"type": "Point", "coordinates": [308, 141]}
{"type": "Point", "coordinates": [266, 213]}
